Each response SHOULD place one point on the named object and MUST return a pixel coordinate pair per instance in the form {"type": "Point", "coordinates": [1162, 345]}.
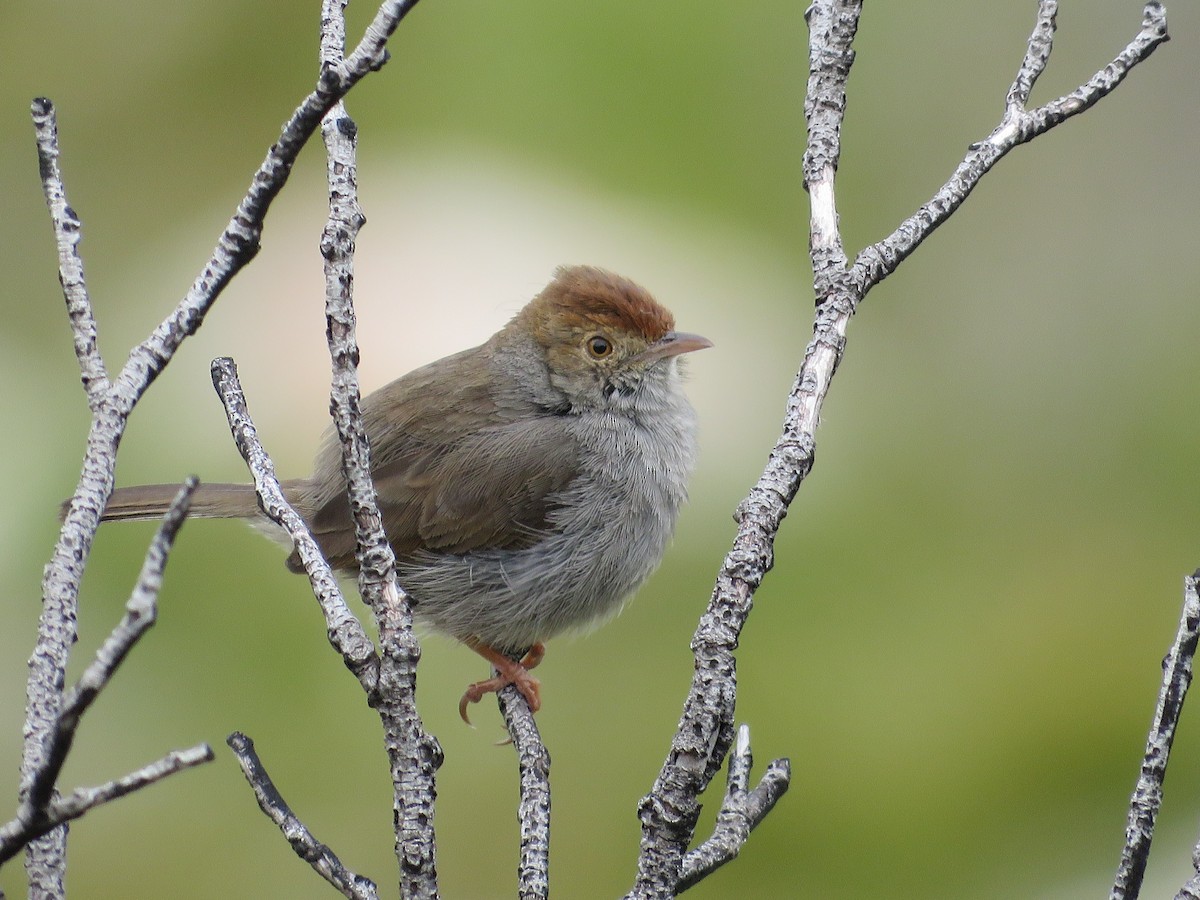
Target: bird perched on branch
{"type": "Point", "coordinates": [528, 485]}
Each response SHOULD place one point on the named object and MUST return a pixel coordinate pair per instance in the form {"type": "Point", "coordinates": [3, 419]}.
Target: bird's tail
{"type": "Point", "coordinates": [150, 501]}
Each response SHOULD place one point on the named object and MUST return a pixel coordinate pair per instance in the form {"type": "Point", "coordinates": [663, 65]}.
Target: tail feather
{"type": "Point", "coordinates": [210, 501]}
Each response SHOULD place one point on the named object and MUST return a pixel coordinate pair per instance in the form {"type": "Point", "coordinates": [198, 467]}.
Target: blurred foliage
{"type": "Point", "coordinates": [959, 645]}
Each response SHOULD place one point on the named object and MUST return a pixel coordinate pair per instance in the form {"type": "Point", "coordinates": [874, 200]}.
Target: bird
{"type": "Point", "coordinates": [528, 486]}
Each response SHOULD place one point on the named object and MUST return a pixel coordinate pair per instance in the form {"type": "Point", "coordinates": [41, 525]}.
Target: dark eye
{"type": "Point", "coordinates": [599, 346]}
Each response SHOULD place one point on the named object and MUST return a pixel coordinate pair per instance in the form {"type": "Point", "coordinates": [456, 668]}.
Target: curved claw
{"type": "Point", "coordinates": [534, 655]}
{"type": "Point", "coordinates": [507, 672]}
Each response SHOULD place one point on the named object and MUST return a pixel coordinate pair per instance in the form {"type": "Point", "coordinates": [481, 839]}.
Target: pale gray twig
{"type": "Point", "coordinates": [141, 611]}
{"type": "Point", "coordinates": [412, 764]}
{"type": "Point", "coordinates": [345, 632]}
{"type": "Point", "coordinates": [376, 561]}
{"type": "Point", "coordinates": [533, 808]}
{"type": "Point", "coordinates": [112, 402]}
{"type": "Point", "coordinates": [741, 811]}
{"type": "Point", "coordinates": [39, 810]}
{"type": "Point", "coordinates": [1017, 126]}
{"type": "Point", "coordinates": [79, 801]}
{"type": "Point", "coordinates": [60, 810]}
{"type": "Point", "coordinates": [1037, 55]}
{"type": "Point", "coordinates": [1147, 795]}
{"type": "Point", "coordinates": [45, 861]}
{"type": "Point", "coordinates": [323, 860]}
{"type": "Point", "coordinates": [68, 231]}
{"type": "Point", "coordinates": [669, 812]}
{"type": "Point", "coordinates": [413, 754]}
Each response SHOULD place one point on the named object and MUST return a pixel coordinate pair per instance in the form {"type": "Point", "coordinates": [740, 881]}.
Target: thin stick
{"type": "Point", "coordinates": [141, 612]}
{"type": "Point", "coordinates": [1018, 126]}
{"type": "Point", "coordinates": [68, 231]}
{"type": "Point", "coordinates": [345, 632]}
{"type": "Point", "coordinates": [61, 810]}
{"type": "Point", "coordinates": [533, 809]}
{"type": "Point", "coordinates": [1147, 795]}
{"type": "Point", "coordinates": [40, 811]}
{"type": "Point", "coordinates": [323, 860]}
{"type": "Point", "coordinates": [742, 809]}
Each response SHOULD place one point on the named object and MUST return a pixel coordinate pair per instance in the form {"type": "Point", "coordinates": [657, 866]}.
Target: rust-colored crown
{"type": "Point", "coordinates": [605, 300]}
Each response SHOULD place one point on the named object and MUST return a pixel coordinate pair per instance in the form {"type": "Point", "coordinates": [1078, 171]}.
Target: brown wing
{"type": "Point", "coordinates": [458, 472]}
{"type": "Point", "coordinates": [493, 489]}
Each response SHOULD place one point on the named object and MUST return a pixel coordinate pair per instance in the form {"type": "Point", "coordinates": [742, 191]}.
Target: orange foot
{"type": "Point", "coordinates": [508, 672]}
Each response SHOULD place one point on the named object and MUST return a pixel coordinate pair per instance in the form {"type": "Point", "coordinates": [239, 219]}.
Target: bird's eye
{"type": "Point", "coordinates": [599, 346]}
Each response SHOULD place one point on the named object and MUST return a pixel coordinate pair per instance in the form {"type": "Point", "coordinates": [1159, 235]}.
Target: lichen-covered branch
{"type": "Point", "coordinates": [345, 632]}
{"type": "Point", "coordinates": [40, 810]}
{"type": "Point", "coordinates": [1147, 795]}
{"type": "Point", "coordinates": [1017, 126]}
{"type": "Point", "coordinates": [533, 809]}
{"type": "Point", "coordinates": [323, 860]}
{"type": "Point", "coordinates": [68, 231]}
{"type": "Point", "coordinates": [413, 754]}
{"type": "Point", "coordinates": [63, 809]}
{"type": "Point", "coordinates": [668, 813]}
{"type": "Point", "coordinates": [239, 242]}
{"type": "Point", "coordinates": [741, 811]}
{"type": "Point", "coordinates": [45, 861]}
{"type": "Point", "coordinates": [413, 762]}
{"type": "Point", "coordinates": [112, 401]}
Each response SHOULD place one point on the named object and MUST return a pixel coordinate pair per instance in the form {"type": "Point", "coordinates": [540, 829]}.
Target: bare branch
{"type": "Point", "coordinates": [1017, 127]}
{"type": "Point", "coordinates": [831, 28]}
{"type": "Point", "coordinates": [307, 847]}
{"type": "Point", "coordinates": [46, 859]}
{"type": "Point", "coordinates": [345, 632]}
{"type": "Point", "coordinates": [239, 242]}
{"type": "Point", "coordinates": [80, 801]}
{"type": "Point", "coordinates": [141, 610]}
{"type": "Point", "coordinates": [18, 832]}
{"type": "Point", "coordinates": [1037, 55]}
{"type": "Point", "coordinates": [533, 811]}
{"type": "Point", "coordinates": [36, 814]}
{"type": "Point", "coordinates": [741, 811]}
{"type": "Point", "coordinates": [1147, 795]}
{"type": "Point", "coordinates": [414, 756]}
{"type": "Point", "coordinates": [67, 233]}
{"type": "Point", "coordinates": [412, 763]}
{"type": "Point", "coordinates": [112, 403]}
{"type": "Point", "coordinates": [668, 813]}
{"type": "Point", "coordinates": [376, 561]}
{"type": "Point", "coordinates": [384, 677]}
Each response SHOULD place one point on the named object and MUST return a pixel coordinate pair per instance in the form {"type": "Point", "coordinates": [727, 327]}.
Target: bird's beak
{"type": "Point", "coordinates": [672, 344]}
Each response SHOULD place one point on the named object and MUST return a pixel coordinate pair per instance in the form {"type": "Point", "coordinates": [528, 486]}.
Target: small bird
{"type": "Point", "coordinates": [528, 485]}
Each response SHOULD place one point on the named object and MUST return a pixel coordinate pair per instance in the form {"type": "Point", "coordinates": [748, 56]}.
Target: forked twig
{"type": "Point", "coordinates": [112, 401]}
{"type": "Point", "coordinates": [669, 812]}
{"type": "Point", "coordinates": [40, 810]}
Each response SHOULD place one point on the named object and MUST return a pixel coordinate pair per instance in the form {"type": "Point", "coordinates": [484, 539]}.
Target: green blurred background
{"type": "Point", "coordinates": [959, 646]}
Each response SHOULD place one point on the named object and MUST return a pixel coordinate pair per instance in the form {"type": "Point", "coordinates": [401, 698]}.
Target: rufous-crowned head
{"type": "Point", "coordinates": [602, 335]}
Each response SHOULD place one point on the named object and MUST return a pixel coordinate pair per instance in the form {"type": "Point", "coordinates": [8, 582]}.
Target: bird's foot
{"type": "Point", "coordinates": [507, 672]}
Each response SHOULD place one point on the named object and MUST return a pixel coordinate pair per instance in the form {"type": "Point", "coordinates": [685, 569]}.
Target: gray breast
{"type": "Point", "coordinates": [607, 533]}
